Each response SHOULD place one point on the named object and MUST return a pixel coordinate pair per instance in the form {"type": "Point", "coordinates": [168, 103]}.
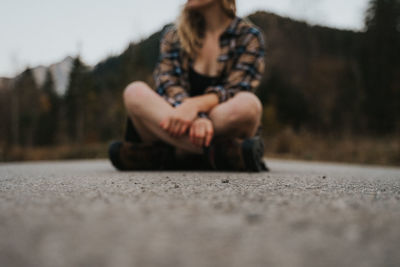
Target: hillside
{"type": "Point", "coordinates": [305, 64]}
{"type": "Point", "coordinates": [315, 80]}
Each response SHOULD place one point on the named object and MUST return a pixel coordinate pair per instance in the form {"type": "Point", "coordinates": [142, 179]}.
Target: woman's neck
{"type": "Point", "coordinates": [216, 19]}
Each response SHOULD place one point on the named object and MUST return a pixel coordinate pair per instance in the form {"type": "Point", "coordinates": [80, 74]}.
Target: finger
{"type": "Point", "coordinates": [172, 127]}
{"type": "Point", "coordinates": [200, 133]}
{"type": "Point", "coordinates": [193, 138]}
{"type": "Point", "coordinates": [189, 126]}
{"type": "Point", "coordinates": [209, 136]}
{"type": "Point", "coordinates": [170, 124]}
{"type": "Point", "coordinates": [184, 128]}
{"type": "Point", "coordinates": [165, 123]}
{"type": "Point", "coordinates": [176, 128]}
{"type": "Point", "coordinates": [191, 133]}
{"type": "Point", "coordinates": [197, 141]}
{"type": "Point", "coordinates": [202, 141]}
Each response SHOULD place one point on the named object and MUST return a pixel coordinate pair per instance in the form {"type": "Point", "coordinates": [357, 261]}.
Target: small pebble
{"type": "Point", "coordinates": [176, 186]}
{"type": "Point", "coordinates": [253, 218]}
{"type": "Point", "coordinates": [225, 181]}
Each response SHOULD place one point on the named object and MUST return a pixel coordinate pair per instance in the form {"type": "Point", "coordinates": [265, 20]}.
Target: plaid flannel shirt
{"type": "Point", "coordinates": [241, 63]}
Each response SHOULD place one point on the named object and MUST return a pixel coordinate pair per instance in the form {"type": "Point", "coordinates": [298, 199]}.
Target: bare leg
{"type": "Point", "coordinates": [147, 109]}
{"type": "Point", "coordinates": [240, 116]}
{"type": "Point", "coordinates": [237, 117]}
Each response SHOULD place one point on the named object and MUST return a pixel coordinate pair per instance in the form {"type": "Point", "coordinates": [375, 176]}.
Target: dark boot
{"type": "Point", "coordinates": [236, 155]}
{"type": "Point", "coordinates": [193, 162]}
{"type": "Point", "coordinates": [141, 156]}
{"type": "Point", "coordinates": [253, 153]}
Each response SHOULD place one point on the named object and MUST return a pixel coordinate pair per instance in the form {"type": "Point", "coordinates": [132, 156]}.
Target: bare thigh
{"type": "Point", "coordinates": [237, 117]}
{"type": "Point", "coordinates": [147, 109]}
{"type": "Point", "coordinates": [240, 116]}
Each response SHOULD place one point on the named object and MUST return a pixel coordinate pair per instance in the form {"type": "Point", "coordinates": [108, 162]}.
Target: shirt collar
{"type": "Point", "coordinates": [231, 29]}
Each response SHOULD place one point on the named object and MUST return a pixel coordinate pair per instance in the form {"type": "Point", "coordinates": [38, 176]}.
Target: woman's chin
{"type": "Point", "coordinates": [193, 5]}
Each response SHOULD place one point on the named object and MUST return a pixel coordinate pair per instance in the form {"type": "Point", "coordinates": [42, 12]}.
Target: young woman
{"type": "Point", "coordinates": [211, 61]}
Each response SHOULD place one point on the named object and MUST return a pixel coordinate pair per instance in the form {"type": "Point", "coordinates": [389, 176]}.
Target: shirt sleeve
{"type": "Point", "coordinates": [168, 69]}
{"type": "Point", "coordinates": [247, 69]}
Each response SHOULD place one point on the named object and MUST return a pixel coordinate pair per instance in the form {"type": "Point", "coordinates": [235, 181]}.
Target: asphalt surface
{"type": "Point", "coordinates": [84, 213]}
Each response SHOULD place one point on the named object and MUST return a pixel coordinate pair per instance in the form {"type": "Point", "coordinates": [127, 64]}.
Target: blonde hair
{"type": "Point", "coordinates": [191, 26]}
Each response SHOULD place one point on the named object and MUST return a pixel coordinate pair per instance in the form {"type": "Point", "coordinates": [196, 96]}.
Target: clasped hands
{"type": "Point", "coordinates": [185, 118]}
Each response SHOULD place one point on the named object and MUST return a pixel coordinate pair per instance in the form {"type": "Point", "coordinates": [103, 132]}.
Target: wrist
{"type": "Point", "coordinates": [193, 103]}
{"type": "Point", "coordinates": [206, 102]}
{"type": "Point", "coordinates": [202, 114]}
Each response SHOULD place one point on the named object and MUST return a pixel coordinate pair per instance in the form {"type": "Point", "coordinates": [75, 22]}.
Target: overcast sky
{"type": "Point", "coordinates": [45, 31]}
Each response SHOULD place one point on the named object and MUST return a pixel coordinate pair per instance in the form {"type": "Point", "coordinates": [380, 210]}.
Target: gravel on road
{"type": "Point", "coordinates": [85, 213]}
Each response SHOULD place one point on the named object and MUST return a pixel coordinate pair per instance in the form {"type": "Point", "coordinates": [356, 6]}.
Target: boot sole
{"type": "Point", "coordinates": [253, 152]}
{"type": "Point", "coordinates": [113, 154]}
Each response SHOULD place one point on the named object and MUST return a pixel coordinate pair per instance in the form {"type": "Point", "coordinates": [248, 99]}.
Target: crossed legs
{"type": "Point", "coordinates": [239, 117]}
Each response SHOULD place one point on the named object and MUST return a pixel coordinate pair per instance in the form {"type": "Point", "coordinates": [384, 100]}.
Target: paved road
{"type": "Point", "coordinates": [83, 213]}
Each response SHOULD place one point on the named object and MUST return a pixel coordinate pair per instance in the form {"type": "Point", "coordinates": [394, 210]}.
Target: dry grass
{"type": "Point", "coordinates": [285, 144]}
{"type": "Point", "coordinates": [54, 153]}
{"type": "Point", "coordinates": [346, 148]}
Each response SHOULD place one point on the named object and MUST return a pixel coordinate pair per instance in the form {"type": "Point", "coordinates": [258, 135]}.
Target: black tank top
{"type": "Point", "coordinates": [199, 82]}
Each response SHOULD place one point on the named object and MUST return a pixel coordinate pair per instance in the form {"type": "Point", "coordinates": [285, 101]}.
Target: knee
{"type": "Point", "coordinates": [135, 93]}
{"type": "Point", "coordinates": [247, 108]}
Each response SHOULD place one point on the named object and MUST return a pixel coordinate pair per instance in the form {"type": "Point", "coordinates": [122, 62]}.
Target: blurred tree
{"type": "Point", "coordinates": [316, 77]}
{"type": "Point", "coordinates": [49, 105]}
{"type": "Point", "coordinates": [286, 101]}
{"type": "Point", "coordinates": [25, 108]}
{"type": "Point", "coordinates": [75, 100]}
{"type": "Point", "coordinates": [380, 62]}
{"type": "Point", "coordinates": [5, 117]}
